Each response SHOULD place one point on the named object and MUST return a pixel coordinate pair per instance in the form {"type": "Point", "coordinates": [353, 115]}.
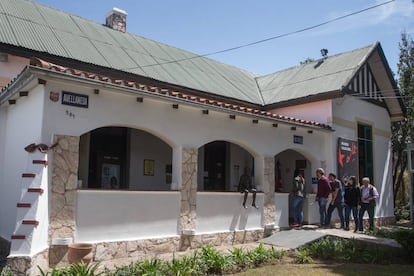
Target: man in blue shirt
{"type": "Point", "coordinates": [337, 200]}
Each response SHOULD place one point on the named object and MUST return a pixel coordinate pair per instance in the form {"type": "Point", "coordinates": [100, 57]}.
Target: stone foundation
{"type": "Point", "coordinates": [27, 266]}
{"type": "Point", "coordinates": [148, 248]}
{"type": "Point", "coordinates": [151, 248]}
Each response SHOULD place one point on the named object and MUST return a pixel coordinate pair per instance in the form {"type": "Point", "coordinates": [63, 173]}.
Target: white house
{"type": "Point", "coordinates": [137, 147]}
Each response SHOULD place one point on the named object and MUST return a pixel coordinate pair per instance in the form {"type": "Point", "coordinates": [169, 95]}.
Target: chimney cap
{"type": "Point", "coordinates": [116, 10]}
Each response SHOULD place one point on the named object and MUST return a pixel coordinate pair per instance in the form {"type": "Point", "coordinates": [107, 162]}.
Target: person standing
{"type": "Point", "coordinates": [298, 193]}
{"type": "Point", "coordinates": [369, 196]}
{"type": "Point", "coordinates": [351, 199]}
{"type": "Point", "coordinates": [336, 201]}
{"type": "Point", "coordinates": [246, 186]}
{"type": "Point", "coordinates": [324, 189]}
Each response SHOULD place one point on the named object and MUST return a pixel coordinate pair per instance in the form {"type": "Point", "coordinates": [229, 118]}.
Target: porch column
{"type": "Point", "coordinates": [269, 208]}
{"type": "Point", "coordinates": [188, 214]}
{"type": "Point", "coordinates": [63, 191]}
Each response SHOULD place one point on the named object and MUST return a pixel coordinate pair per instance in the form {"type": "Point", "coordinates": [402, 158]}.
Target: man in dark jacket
{"type": "Point", "coordinates": [324, 189]}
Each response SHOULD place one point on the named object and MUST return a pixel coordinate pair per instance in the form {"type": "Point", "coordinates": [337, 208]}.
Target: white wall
{"type": "Point", "coordinates": [11, 68]}
{"type": "Point", "coordinates": [318, 111]}
{"type": "Point", "coordinates": [282, 210]}
{"type": "Point", "coordinates": [222, 212]}
{"type": "Point", "coordinates": [378, 118]}
{"type": "Point", "coordinates": [186, 126]}
{"type": "Point", "coordinates": [146, 146]}
{"type": "Point", "coordinates": [144, 215]}
{"type": "Point", "coordinates": [3, 212]}
{"type": "Point", "coordinates": [23, 127]}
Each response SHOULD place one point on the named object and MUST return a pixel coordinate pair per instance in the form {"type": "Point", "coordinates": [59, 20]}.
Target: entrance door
{"type": "Point", "coordinates": [215, 166]}
{"type": "Point", "coordinates": [108, 158]}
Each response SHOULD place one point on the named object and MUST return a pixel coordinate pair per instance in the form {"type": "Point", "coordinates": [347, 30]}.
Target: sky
{"type": "Point", "coordinates": [208, 26]}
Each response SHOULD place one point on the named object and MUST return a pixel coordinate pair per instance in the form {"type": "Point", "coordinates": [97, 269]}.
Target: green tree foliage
{"type": "Point", "coordinates": [403, 131]}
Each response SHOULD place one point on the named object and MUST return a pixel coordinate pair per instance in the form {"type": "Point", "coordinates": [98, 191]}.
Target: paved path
{"type": "Point", "coordinates": [294, 238]}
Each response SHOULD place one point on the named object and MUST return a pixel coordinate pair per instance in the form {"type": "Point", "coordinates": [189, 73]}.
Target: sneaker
{"type": "Point", "coordinates": [254, 205]}
{"type": "Point", "coordinates": [295, 224]}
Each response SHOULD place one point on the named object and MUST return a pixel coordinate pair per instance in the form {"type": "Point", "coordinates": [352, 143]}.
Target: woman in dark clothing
{"type": "Point", "coordinates": [351, 199]}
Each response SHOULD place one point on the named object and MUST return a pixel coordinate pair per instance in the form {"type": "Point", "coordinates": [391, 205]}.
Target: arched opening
{"type": "Point", "coordinates": [220, 165]}
{"type": "Point", "coordinates": [286, 163]}
{"type": "Point", "coordinates": [124, 158]}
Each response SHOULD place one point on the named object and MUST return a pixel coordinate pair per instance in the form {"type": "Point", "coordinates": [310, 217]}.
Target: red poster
{"type": "Point", "coordinates": [347, 158]}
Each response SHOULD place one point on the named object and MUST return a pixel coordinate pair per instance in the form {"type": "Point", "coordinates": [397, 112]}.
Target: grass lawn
{"type": "Point", "coordinates": [330, 269]}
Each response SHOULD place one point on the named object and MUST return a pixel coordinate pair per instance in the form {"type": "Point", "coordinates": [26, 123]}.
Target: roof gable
{"type": "Point", "coordinates": [313, 78]}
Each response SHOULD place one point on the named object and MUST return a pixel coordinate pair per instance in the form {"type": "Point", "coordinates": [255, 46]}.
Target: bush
{"type": "Point", "coordinates": [405, 237]}
{"type": "Point", "coordinates": [206, 261]}
{"type": "Point", "coordinates": [344, 250]}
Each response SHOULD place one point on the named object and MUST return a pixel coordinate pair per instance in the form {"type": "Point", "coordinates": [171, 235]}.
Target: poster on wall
{"type": "Point", "coordinates": [110, 176]}
{"type": "Point", "coordinates": [347, 158]}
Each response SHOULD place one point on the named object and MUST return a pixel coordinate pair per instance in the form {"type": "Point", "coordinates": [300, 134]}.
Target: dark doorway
{"type": "Point", "coordinates": [215, 166]}
{"type": "Point", "coordinates": [107, 162]}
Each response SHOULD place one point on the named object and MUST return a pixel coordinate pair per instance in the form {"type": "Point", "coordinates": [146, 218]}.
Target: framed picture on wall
{"type": "Point", "coordinates": [148, 167]}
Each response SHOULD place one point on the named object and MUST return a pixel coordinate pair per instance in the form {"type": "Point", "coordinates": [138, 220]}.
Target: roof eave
{"type": "Point", "coordinates": [308, 99]}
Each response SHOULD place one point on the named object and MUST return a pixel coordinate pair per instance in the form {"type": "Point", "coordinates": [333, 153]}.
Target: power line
{"type": "Point", "coordinates": [267, 39]}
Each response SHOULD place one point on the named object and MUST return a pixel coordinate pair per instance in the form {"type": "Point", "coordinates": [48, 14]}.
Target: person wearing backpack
{"type": "Point", "coordinates": [336, 201]}
{"type": "Point", "coordinates": [369, 196]}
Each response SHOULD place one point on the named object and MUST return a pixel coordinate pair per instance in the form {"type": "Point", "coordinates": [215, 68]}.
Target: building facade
{"type": "Point", "coordinates": [146, 160]}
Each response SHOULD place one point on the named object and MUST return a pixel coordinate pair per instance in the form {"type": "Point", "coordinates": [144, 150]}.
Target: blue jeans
{"type": "Point", "coordinates": [297, 209]}
{"type": "Point", "coordinates": [323, 201]}
{"type": "Point", "coordinates": [331, 208]}
{"type": "Point", "coordinates": [354, 210]}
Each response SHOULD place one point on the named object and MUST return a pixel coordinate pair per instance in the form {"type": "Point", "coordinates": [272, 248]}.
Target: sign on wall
{"type": "Point", "coordinates": [74, 99]}
{"type": "Point", "coordinates": [297, 139]}
{"type": "Point", "coordinates": [347, 158]}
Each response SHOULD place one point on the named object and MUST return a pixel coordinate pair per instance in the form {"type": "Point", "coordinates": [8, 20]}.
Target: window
{"type": "Point", "coordinates": [365, 152]}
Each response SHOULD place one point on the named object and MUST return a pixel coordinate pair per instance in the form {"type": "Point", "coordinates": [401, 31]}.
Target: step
{"type": "Point", "coordinates": [28, 175]}
{"type": "Point", "coordinates": [35, 190]}
{"type": "Point", "coordinates": [43, 162]}
{"type": "Point", "coordinates": [18, 237]}
{"type": "Point", "coordinates": [24, 205]}
{"type": "Point", "coordinates": [31, 222]}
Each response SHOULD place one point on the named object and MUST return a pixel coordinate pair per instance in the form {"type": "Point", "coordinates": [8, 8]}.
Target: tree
{"type": "Point", "coordinates": [403, 131]}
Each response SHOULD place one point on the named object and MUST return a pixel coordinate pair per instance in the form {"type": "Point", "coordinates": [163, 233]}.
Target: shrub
{"type": "Point", "coordinates": [302, 256]}
{"type": "Point", "coordinates": [345, 250]}
{"type": "Point", "coordinates": [405, 237]}
{"type": "Point", "coordinates": [240, 259]}
{"type": "Point", "coordinates": [212, 262]}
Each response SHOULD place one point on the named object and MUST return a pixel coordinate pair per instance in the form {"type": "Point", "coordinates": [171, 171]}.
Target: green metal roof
{"type": "Point", "coordinates": [40, 28]}
{"type": "Point", "coordinates": [33, 26]}
{"type": "Point", "coordinates": [325, 75]}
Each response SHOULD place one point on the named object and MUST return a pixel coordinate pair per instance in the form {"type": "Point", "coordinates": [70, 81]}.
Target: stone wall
{"type": "Point", "coordinates": [269, 208]}
{"type": "Point", "coordinates": [151, 248]}
{"type": "Point", "coordinates": [188, 190]}
{"type": "Point", "coordinates": [63, 187]}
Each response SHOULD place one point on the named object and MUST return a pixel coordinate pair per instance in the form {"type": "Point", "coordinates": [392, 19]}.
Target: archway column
{"type": "Point", "coordinates": [188, 216]}
{"type": "Point", "coordinates": [265, 179]}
